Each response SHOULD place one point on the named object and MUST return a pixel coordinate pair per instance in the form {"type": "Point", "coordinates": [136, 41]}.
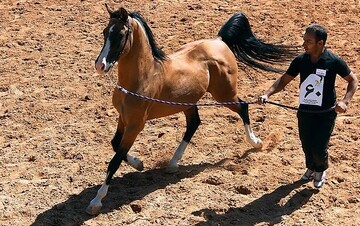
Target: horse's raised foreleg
{"type": "Point", "coordinates": [131, 160]}
{"type": "Point", "coordinates": [124, 142]}
{"type": "Point", "coordinates": [244, 114]}
{"type": "Point", "coordinates": [192, 123]}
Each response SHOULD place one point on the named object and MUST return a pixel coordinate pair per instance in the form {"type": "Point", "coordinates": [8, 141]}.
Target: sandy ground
{"type": "Point", "coordinates": [57, 121]}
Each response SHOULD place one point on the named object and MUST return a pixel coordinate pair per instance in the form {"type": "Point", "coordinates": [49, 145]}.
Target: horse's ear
{"type": "Point", "coordinates": [124, 14]}
{"type": "Point", "coordinates": [108, 9]}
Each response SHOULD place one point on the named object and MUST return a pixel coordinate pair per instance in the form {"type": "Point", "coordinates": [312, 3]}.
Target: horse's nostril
{"type": "Point", "coordinates": [100, 67]}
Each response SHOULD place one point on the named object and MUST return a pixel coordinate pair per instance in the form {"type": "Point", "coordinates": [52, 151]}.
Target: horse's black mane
{"type": "Point", "coordinates": [158, 54]}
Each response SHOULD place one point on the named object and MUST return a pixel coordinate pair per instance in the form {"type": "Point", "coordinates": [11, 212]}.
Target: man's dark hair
{"type": "Point", "coordinates": [319, 31]}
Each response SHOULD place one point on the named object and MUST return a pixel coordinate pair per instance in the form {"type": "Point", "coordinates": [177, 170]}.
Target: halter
{"type": "Point", "coordinates": [127, 24]}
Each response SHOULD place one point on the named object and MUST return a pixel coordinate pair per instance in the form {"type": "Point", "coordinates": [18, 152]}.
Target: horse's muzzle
{"type": "Point", "coordinates": [102, 67]}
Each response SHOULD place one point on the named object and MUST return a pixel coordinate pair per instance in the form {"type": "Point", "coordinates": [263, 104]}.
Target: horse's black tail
{"type": "Point", "coordinates": [251, 51]}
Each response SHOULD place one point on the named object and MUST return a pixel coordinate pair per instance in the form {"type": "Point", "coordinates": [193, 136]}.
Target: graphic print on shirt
{"type": "Point", "coordinates": [311, 90]}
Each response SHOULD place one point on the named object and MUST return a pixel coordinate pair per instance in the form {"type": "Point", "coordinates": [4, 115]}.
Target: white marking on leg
{"type": "Point", "coordinates": [135, 162]}
{"type": "Point", "coordinates": [173, 164]}
{"type": "Point", "coordinates": [95, 204]}
{"type": "Point", "coordinates": [251, 138]}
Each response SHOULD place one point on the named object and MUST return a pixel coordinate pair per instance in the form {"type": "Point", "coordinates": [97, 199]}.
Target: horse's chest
{"type": "Point", "coordinates": [118, 100]}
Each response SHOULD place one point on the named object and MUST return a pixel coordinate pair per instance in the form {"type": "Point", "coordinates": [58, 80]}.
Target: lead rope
{"type": "Point", "coordinates": [127, 92]}
{"type": "Point", "coordinates": [302, 110]}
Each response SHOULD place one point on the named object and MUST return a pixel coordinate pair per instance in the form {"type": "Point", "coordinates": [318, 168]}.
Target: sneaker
{"type": "Point", "coordinates": [308, 175]}
{"type": "Point", "coordinates": [319, 179]}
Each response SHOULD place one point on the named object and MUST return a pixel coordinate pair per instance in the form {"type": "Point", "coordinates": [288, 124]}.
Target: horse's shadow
{"type": "Point", "coordinates": [269, 208]}
{"type": "Point", "coordinates": [123, 190]}
{"type": "Point", "coordinates": [136, 185]}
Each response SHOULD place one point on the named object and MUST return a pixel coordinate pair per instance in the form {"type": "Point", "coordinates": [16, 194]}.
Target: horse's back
{"type": "Point", "coordinates": [214, 56]}
{"type": "Point", "coordinates": [206, 49]}
{"type": "Point", "coordinates": [209, 57]}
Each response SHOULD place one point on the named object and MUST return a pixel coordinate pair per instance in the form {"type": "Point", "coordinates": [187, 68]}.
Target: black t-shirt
{"type": "Point", "coordinates": [329, 65]}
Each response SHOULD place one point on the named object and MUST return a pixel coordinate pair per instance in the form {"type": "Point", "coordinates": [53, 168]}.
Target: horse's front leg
{"type": "Point", "coordinates": [131, 160]}
{"type": "Point", "coordinates": [192, 123]}
{"type": "Point", "coordinates": [126, 141]}
{"type": "Point", "coordinates": [244, 114]}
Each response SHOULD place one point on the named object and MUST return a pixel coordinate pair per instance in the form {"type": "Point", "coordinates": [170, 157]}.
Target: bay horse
{"type": "Point", "coordinates": [208, 65]}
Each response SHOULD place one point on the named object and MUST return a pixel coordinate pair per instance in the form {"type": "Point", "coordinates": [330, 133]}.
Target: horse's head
{"type": "Point", "coordinates": [116, 35]}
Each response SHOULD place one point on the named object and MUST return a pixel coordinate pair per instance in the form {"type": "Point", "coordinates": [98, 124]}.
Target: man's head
{"type": "Point", "coordinates": [314, 38]}
{"type": "Point", "coordinates": [318, 31]}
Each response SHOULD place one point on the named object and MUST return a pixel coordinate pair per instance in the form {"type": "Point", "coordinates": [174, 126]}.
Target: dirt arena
{"type": "Point", "coordinates": [57, 121]}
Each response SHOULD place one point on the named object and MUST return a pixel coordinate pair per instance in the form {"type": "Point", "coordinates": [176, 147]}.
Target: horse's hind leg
{"type": "Point", "coordinates": [192, 123]}
{"type": "Point", "coordinates": [243, 110]}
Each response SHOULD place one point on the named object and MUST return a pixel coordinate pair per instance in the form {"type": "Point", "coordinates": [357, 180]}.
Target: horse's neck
{"type": "Point", "coordinates": [134, 67]}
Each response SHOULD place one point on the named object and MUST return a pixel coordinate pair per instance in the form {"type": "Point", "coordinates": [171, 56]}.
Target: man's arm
{"type": "Point", "coordinates": [278, 85]}
{"type": "Point", "coordinates": [352, 86]}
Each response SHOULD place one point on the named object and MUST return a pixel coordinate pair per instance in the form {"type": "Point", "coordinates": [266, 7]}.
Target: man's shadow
{"type": "Point", "coordinates": [264, 209]}
{"type": "Point", "coordinates": [122, 191]}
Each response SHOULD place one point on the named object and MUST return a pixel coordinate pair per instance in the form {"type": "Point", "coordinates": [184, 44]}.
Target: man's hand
{"type": "Point", "coordinates": [263, 99]}
{"type": "Point", "coordinates": [341, 107]}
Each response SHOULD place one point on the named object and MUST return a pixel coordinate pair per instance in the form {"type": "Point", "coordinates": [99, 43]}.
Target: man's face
{"type": "Point", "coordinates": [310, 44]}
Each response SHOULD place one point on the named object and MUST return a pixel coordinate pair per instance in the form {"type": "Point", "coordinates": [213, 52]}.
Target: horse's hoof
{"type": "Point", "coordinates": [256, 143]}
{"type": "Point", "coordinates": [135, 162]}
{"type": "Point", "coordinates": [172, 169]}
{"type": "Point", "coordinates": [139, 166]}
{"type": "Point", "coordinates": [93, 209]}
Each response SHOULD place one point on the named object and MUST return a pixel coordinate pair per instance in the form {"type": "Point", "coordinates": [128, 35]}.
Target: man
{"type": "Point", "coordinates": [318, 68]}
